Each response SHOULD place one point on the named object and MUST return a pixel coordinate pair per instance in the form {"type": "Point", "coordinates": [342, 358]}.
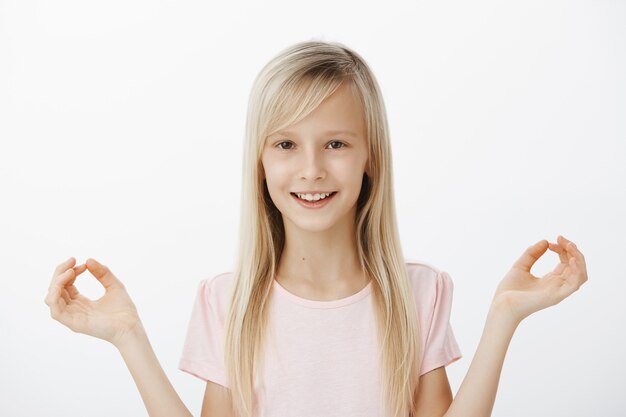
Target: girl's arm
{"type": "Point", "coordinates": [114, 318]}
{"type": "Point", "coordinates": [518, 295]}
{"type": "Point", "coordinates": [157, 393]}
{"type": "Point", "coordinates": [477, 393]}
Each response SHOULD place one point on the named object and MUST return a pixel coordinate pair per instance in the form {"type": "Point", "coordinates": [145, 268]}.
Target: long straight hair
{"type": "Point", "coordinates": [286, 90]}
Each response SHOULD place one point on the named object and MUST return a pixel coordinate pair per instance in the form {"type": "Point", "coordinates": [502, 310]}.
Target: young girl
{"type": "Point", "coordinates": [322, 315]}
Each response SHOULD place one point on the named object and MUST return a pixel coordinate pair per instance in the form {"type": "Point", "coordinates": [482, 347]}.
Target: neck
{"type": "Point", "coordinates": [323, 260]}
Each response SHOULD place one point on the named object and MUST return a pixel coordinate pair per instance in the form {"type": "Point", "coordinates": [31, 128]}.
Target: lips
{"type": "Point", "coordinates": [314, 204]}
{"type": "Point", "coordinates": [303, 199]}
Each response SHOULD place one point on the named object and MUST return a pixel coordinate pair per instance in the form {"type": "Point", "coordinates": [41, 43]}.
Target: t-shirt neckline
{"type": "Point", "coordinates": [362, 293]}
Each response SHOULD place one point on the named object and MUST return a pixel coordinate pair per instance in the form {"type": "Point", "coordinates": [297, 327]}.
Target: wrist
{"type": "Point", "coordinates": [500, 312]}
{"type": "Point", "coordinates": [130, 337]}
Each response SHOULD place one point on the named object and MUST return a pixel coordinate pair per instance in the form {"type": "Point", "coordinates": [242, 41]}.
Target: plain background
{"type": "Point", "coordinates": [121, 127]}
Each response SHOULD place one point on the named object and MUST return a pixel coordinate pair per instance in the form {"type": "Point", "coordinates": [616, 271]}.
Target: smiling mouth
{"type": "Point", "coordinates": [313, 204]}
{"type": "Point", "coordinates": [313, 201]}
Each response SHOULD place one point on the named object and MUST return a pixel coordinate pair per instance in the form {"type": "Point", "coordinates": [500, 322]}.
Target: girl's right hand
{"type": "Point", "coordinates": [111, 317]}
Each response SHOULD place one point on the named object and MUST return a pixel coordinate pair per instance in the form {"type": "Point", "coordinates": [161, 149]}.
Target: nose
{"type": "Point", "coordinates": [312, 165]}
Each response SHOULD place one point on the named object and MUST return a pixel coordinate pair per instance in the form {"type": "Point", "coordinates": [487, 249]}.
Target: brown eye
{"type": "Point", "coordinates": [336, 141]}
{"type": "Point", "coordinates": [280, 147]}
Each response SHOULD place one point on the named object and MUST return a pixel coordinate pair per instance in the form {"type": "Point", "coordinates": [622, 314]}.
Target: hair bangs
{"type": "Point", "coordinates": [297, 98]}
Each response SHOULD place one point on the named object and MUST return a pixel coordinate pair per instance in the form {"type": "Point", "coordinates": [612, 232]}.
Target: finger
{"type": "Point", "coordinates": [54, 298]}
{"type": "Point", "coordinates": [63, 266]}
{"type": "Point", "coordinates": [562, 252]}
{"type": "Point", "coordinates": [580, 258]}
{"type": "Point", "coordinates": [573, 276]}
{"type": "Point", "coordinates": [72, 292]}
{"type": "Point", "coordinates": [530, 255]}
{"type": "Point", "coordinates": [62, 279]}
{"type": "Point", "coordinates": [558, 269]}
{"type": "Point", "coordinates": [62, 272]}
{"type": "Point", "coordinates": [575, 252]}
{"type": "Point", "coordinates": [71, 289]}
{"type": "Point", "coordinates": [66, 296]}
{"type": "Point", "coordinates": [102, 273]}
{"type": "Point", "coordinates": [61, 269]}
{"type": "Point", "coordinates": [563, 241]}
{"type": "Point", "coordinates": [58, 306]}
{"type": "Point", "coordinates": [572, 272]}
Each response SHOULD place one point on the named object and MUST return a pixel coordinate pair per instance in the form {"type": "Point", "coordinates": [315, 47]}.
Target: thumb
{"type": "Point", "coordinates": [530, 255]}
{"type": "Point", "coordinates": [102, 273]}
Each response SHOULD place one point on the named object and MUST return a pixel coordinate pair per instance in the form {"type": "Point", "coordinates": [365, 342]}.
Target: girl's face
{"type": "Point", "coordinates": [325, 152]}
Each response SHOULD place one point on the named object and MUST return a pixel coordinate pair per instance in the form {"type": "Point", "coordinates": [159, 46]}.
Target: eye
{"type": "Point", "coordinates": [336, 141]}
{"type": "Point", "coordinates": [279, 145]}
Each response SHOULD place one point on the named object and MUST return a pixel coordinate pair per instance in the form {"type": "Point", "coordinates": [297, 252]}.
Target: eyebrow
{"type": "Point", "coordinates": [328, 132]}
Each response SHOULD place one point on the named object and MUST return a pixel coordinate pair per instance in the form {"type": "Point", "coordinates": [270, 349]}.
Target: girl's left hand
{"type": "Point", "coordinates": [520, 293]}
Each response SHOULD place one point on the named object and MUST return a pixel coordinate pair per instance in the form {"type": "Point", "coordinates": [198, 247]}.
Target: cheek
{"type": "Point", "coordinates": [349, 168]}
{"type": "Point", "coordinates": [277, 178]}
{"type": "Point", "coordinates": [277, 174]}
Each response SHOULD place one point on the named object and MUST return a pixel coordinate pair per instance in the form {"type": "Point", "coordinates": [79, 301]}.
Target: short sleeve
{"type": "Point", "coordinates": [441, 345]}
{"type": "Point", "coordinates": [203, 352]}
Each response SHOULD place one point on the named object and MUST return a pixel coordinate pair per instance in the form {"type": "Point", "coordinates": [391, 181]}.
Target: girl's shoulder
{"type": "Point", "coordinates": [219, 281]}
{"type": "Point", "coordinates": [216, 288]}
{"type": "Point", "coordinates": [425, 276]}
{"type": "Point", "coordinates": [422, 269]}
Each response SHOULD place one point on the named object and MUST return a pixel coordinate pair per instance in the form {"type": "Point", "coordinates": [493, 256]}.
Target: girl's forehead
{"type": "Point", "coordinates": [336, 114]}
{"type": "Point", "coordinates": [342, 112]}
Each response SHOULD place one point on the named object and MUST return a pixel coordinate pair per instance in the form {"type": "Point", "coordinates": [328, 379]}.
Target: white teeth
{"type": "Point", "coordinates": [313, 197]}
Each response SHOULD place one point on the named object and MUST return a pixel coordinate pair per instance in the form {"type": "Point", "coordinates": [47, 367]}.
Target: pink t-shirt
{"type": "Point", "coordinates": [322, 358]}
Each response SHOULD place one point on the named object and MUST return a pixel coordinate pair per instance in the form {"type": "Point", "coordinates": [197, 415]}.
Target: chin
{"type": "Point", "coordinates": [312, 226]}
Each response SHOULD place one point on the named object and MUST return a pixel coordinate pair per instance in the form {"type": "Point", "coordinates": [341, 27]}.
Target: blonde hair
{"type": "Point", "coordinates": [285, 91]}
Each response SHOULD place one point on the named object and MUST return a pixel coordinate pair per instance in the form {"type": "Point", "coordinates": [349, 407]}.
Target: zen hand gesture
{"type": "Point", "coordinates": [110, 317]}
{"type": "Point", "coordinates": [520, 293]}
